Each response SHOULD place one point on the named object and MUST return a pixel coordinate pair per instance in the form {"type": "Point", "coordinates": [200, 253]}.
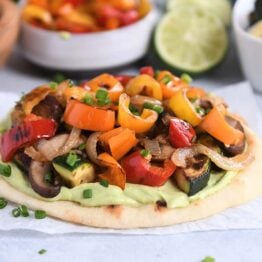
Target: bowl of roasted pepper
{"type": "Point", "coordinates": [9, 27]}
{"type": "Point", "coordinates": [77, 35]}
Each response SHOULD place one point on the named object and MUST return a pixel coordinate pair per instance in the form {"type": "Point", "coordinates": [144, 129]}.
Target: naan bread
{"type": "Point", "coordinates": [246, 186]}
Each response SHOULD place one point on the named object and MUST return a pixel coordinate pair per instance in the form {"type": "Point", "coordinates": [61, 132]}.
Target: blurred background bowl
{"type": "Point", "coordinates": [91, 51]}
{"type": "Point", "coordinates": [9, 27]}
{"type": "Point", "coordinates": [249, 46]}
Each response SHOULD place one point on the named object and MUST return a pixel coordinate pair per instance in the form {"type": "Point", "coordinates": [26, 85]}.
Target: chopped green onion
{"type": "Point", "coordinates": [144, 153]}
{"type": "Point", "coordinates": [157, 73]}
{"type": "Point", "coordinates": [87, 193]}
{"type": "Point", "coordinates": [159, 109]}
{"type": "Point", "coordinates": [58, 78]}
{"type": "Point", "coordinates": [208, 259]}
{"type": "Point", "coordinates": [166, 79]}
{"type": "Point", "coordinates": [71, 83]}
{"type": "Point", "coordinates": [24, 211]}
{"type": "Point", "coordinates": [200, 110]}
{"type": "Point", "coordinates": [105, 102]}
{"type": "Point", "coordinates": [133, 110]}
{"type": "Point", "coordinates": [48, 178]}
{"type": "Point", "coordinates": [101, 94]}
{"type": "Point", "coordinates": [89, 100]}
{"type": "Point", "coordinates": [72, 159]}
{"type": "Point", "coordinates": [3, 203]}
{"type": "Point", "coordinates": [5, 170]}
{"type": "Point", "coordinates": [187, 78]}
{"type": "Point", "coordinates": [65, 35]}
{"type": "Point", "coordinates": [104, 183]}
{"type": "Point", "coordinates": [193, 100]}
{"type": "Point", "coordinates": [207, 110]}
{"type": "Point", "coordinates": [53, 85]}
{"type": "Point", "coordinates": [40, 214]}
{"type": "Point", "coordinates": [82, 146]}
{"type": "Point", "coordinates": [102, 97]}
{"type": "Point", "coordinates": [16, 212]}
{"type": "Point", "coordinates": [42, 251]}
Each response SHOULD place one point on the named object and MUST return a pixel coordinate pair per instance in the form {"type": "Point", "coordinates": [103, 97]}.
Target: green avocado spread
{"type": "Point", "coordinates": [134, 195]}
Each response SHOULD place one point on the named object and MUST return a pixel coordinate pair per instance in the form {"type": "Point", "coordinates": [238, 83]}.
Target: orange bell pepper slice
{"type": "Point", "coordinates": [144, 84]}
{"type": "Point", "coordinates": [115, 88]}
{"type": "Point", "coordinates": [170, 83]}
{"type": "Point", "coordinates": [42, 3]}
{"type": "Point", "coordinates": [86, 117]}
{"type": "Point", "coordinates": [119, 141]}
{"type": "Point", "coordinates": [115, 174]}
{"type": "Point", "coordinates": [112, 23]}
{"type": "Point", "coordinates": [32, 12]}
{"type": "Point", "coordinates": [80, 18]}
{"type": "Point", "coordinates": [182, 107]}
{"type": "Point", "coordinates": [195, 92]}
{"type": "Point", "coordinates": [215, 124]}
{"type": "Point", "coordinates": [139, 124]}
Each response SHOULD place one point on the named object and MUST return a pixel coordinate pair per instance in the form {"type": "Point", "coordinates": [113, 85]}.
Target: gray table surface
{"type": "Point", "coordinates": [240, 246]}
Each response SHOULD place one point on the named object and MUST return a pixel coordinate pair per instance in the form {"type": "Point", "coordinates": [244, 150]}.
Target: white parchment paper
{"type": "Point", "coordinates": [241, 100]}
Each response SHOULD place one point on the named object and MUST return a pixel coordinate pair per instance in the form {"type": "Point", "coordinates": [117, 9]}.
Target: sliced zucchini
{"type": "Point", "coordinates": [195, 177]}
{"type": "Point", "coordinates": [78, 173]}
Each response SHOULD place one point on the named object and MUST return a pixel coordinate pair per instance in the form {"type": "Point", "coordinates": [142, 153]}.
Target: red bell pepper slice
{"type": "Point", "coordinates": [124, 79]}
{"type": "Point", "coordinates": [107, 12]}
{"type": "Point", "coordinates": [129, 17]}
{"type": "Point", "coordinates": [25, 134]}
{"type": "Point", "coordinates": [74, 2]}
{"type": "Point", "coordinates": [147, 70]}
{"type": "Point", "coordinates": [139, 170]}
{"type": "Point", "coordinates": [181, 133]}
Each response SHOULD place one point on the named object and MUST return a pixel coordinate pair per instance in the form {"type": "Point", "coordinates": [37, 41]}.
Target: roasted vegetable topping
{"type": "Point", "coordinates": [111, 130]}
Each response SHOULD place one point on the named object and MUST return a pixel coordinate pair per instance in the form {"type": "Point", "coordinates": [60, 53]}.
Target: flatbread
{"type": "Point", "coordinates": [246, 186]}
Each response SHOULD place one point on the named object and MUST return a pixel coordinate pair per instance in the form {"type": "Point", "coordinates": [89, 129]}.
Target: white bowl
{"type": "Point", "coordinates": [249, 46]}
{"type": "Point", "coordinates": [91, 51]}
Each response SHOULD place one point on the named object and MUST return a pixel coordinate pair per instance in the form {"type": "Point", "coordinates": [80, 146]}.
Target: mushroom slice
{"type": "Point", "coordinates": [38, 173]}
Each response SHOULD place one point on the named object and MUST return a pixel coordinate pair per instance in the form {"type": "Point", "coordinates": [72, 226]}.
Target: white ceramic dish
{"type": "Point", "coordinates": [249, 47]}
{"type": "Point", "coordinates": [93, 51]}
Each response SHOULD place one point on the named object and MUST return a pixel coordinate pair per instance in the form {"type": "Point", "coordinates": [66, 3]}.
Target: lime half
{"type": "Point", "coordinates": [222, 8]}
{"type": "Point", "coordinates": [191, 39]}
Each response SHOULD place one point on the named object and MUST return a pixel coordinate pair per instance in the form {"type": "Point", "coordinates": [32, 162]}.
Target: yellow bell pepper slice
{"type": "Point", "coordinates": [139, 124]}
{"type": "Point", "coordinates": [144, 7]}
{"type": "Point", "coordinates": [115, 88]}
{"type": "Point", "coordinates": [144, 84]}
{"type": "Point", "coordinates": [80, 18]}
{"type": "Point", "coordinates": [182, 107]}
{"type": "Point", "coordinates": [31, 12]}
